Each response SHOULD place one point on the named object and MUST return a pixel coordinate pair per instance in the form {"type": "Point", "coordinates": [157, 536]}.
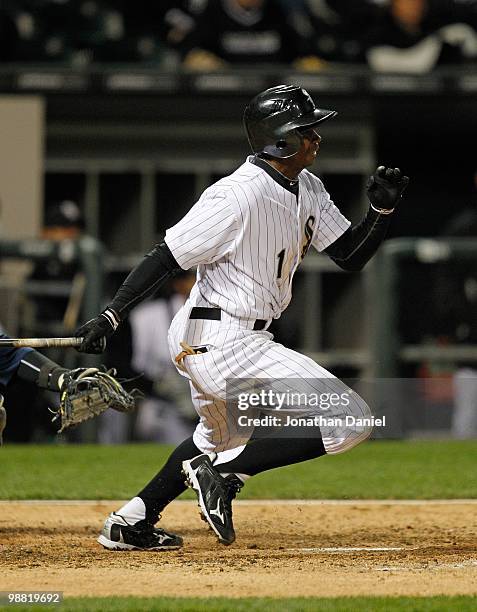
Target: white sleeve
{"type": "Point", "coordinates": [332, 223]}
{"type": "Point", "coordinates": [206, 233]}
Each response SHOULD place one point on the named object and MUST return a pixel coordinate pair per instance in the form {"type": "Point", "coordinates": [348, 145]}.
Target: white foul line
{"type": "Point", "coordinates": [262, 502]}
{"type": "Point", "coordinates": [339, 549]}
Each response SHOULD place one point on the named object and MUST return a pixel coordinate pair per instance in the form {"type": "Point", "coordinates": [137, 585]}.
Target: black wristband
{"type": "Point", "coordinates": [40, 370]}
{"type": "Point", "coordinates": [49, 377]}
{"type": "Point", "coordinates": [112, 317]}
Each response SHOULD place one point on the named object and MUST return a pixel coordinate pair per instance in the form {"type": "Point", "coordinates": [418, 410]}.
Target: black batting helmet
{"type": "Point", "coordinates": [273, 117]}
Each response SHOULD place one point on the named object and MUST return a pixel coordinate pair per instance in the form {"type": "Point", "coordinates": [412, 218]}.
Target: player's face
{"type": "Point", "coordinates": [309, 147]}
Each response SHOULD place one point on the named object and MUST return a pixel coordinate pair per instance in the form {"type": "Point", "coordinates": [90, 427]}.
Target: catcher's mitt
{"type": "Point", "coordinates": [87, 392]}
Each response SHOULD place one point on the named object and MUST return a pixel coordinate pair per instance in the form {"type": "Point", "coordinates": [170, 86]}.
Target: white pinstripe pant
{"type": "Point", "coordinates": [235, 351]}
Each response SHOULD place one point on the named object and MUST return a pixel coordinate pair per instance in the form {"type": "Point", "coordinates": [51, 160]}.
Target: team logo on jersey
{"type": "Point", "coordinates": [308, 229]}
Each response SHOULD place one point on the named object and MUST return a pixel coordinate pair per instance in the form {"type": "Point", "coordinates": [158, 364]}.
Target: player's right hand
{"type": "Point", "coordinates": [96, 331]}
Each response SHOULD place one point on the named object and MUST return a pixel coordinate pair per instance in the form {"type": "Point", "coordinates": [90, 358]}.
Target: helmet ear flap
{"type": "Point", "coordinates": [287, 146]}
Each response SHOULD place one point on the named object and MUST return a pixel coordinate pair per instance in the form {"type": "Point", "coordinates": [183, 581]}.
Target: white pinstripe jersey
{"type": "Point", "coordinates": [247, 234]}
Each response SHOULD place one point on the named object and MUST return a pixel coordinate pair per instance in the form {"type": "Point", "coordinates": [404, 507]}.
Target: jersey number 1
{"type": "Point", "coordinates": [281, 257]}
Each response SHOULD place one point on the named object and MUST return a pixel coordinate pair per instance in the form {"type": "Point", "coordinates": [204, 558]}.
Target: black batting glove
{"type": "Point", "coordinates": [385, 187]}
{"type": "Point", "coordinates": [95, 332]}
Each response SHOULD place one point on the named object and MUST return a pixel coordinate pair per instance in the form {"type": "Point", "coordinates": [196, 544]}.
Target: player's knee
{"type": "Point", "coordinates": [361, 424]}
{"type": "Point", "coordinates": [362, 432]}
{"type": "Point", "coordinates": [346, 442]}
{"type": "Point", "coordinates": [356, 427]}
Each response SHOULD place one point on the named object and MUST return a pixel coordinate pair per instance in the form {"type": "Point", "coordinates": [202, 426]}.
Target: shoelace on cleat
{"type": "Point", "coordinates": [233, 485]}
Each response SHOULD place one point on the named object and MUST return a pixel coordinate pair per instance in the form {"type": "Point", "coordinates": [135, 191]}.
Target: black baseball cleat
{"type": "Point", "coordinates": [117, 534]}
{"type": "Point", "coordinates": [214, 493]}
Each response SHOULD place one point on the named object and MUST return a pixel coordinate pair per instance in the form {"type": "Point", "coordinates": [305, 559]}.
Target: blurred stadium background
{"type": "Point", "coordinates": [114, 116]}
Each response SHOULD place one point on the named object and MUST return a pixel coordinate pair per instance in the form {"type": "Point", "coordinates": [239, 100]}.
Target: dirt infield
{"type": "Point", "coordinates": [283, 549]}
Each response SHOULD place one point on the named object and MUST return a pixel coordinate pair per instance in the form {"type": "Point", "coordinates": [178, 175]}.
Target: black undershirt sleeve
{"type": "Point", "coordinates": [154, 270]}
{"type": "Point", "coordinates": [38, 369]}
{"type": "Point", "coordinates": [359, 243]}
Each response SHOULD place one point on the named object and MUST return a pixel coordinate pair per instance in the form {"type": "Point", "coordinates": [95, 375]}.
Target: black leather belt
{"type": "Point", "coordinates": [215, 314]}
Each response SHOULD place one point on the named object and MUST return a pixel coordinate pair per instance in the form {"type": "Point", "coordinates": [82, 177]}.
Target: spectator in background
{"type": "Point", "coordinates": [77, 32]}
{"type": "Point", "coordinates": [41, 27]}
{"type": "Point", "coordinates": [149, 31]}
{"type": "Point", "coordinates": [29, 417]}
{"type": "Point", "coordinates": [241, 32]}
{"type": "Point", "coordinates": [418, 35]}
{"type": "Point", "coordinates": [53, 293]}
{"type": "Point", "coordinates": [179, 19]}
{"type": "Point", "coordinates": [340, 27]}
{"type": "Point", "coordinates": [132, 32]}
{"type": "Point", "coordinates": [140, 349]}
{"type": "Point", "coordinates": [63, 222]}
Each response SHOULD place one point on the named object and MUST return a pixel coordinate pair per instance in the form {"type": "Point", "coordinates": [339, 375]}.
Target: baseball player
{"type": "Point", "coordinates": [30, 366]}
{"type": "Point", "coordinates": [247, 234]}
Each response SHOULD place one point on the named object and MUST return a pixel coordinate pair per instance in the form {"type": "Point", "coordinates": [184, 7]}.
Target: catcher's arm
{"type": "Point", "coordinates": [88, 392]}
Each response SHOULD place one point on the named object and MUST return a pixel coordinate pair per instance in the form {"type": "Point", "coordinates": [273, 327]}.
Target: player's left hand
{"type": "Point", "coordinates": [88, 392]}
{"type": "Point", "coordinates": [385, 187]}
